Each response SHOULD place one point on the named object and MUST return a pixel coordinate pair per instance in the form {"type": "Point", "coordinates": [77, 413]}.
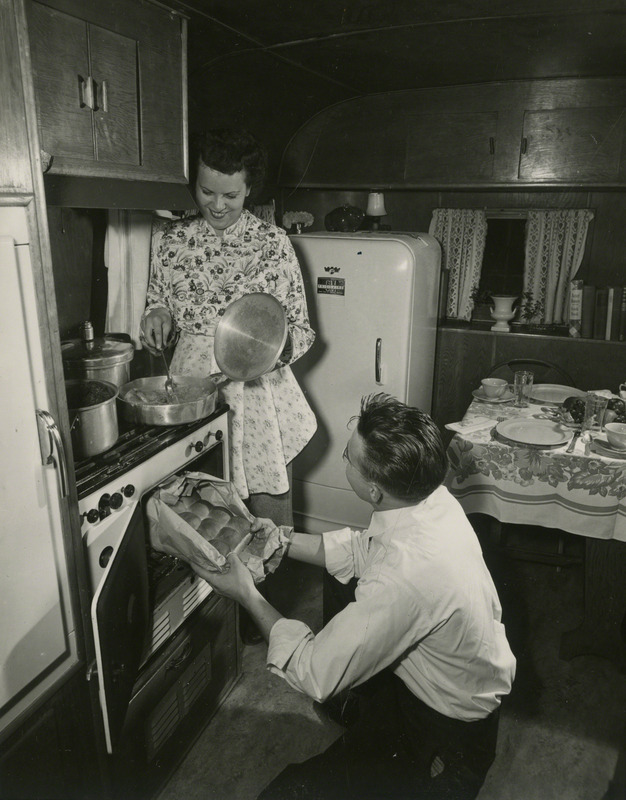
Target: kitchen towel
{"type": "Point", "coordinates": [127, 258]}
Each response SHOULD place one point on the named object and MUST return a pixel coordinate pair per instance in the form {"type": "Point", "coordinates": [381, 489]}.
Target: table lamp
{"type": "Point", "coordinates": [375, 208]}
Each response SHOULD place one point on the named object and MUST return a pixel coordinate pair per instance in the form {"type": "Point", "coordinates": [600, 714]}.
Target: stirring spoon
{"type": "Point", "coordinates": [169, 383]}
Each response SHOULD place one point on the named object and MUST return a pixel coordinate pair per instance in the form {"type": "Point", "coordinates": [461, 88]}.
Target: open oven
{"type": "Point", "coordinates": [166, 646]}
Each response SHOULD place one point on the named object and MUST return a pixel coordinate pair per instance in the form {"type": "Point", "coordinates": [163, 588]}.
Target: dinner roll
{"type": "Point", "coordinates": [190, 519]}
{"type": "Point", "coordinates": [200, 509]}
{"type": "Point", "coordinates": [220, 515]}
{"type": "Point", "coordinates": [240, 524]}
{"type": "Point", "coordinates": [208, 529]}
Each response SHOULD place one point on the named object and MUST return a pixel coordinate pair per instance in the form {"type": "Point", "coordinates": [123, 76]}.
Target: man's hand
{"type": "Point", "coordinates": [236, 582]}
{"type": "Point", "coordinates": [156, 330]}
{"type": "Point", "coordinates": [262, 528]}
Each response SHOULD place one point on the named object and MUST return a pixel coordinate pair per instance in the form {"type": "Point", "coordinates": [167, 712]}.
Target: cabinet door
{"type": "Point", "coordinates": [564, 144]}
{"type": "Point", "coordinates": [116, 110]}
{"type": "Point", "coordinates": [61, 72]}
{"type": "Point", "coordinates": [446, 148]}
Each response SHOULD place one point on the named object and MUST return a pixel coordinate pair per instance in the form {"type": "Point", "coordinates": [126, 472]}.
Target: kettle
{"type": "Point", "coordinates": [346, 218]}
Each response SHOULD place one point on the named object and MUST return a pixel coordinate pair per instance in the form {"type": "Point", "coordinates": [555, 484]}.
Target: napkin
{"type": "Point", "coordinates": [470, 426]}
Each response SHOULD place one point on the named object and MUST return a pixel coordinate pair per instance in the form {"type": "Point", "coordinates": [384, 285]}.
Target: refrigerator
{"type": "Point", "coordinates": [373, 301]}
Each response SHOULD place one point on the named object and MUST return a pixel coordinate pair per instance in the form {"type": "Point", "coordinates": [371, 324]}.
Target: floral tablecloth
{"type": "Point", "coordinates": [581, 492]}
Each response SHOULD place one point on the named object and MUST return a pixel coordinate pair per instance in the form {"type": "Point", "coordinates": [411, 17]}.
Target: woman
{"type": "Point", "coordinates": [202, 264]}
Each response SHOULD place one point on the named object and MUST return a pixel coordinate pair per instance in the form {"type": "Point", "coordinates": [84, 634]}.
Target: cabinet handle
{"type": "Point", "coordinates": [524, 145]}
{"type": "Point", "coordinates": [85, 86]}
{"type": "Point", "coordinates": [103, 105]}
{"type": "Point", "coordinates": [492, 145]}
{"type": "Point", "coordinates": [378, 359]}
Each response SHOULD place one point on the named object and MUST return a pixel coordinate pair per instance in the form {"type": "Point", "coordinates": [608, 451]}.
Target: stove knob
{"type": "Point", "coordinates": [93, 515]}
{"type": "Point", "coordinates": [219, 436]}
{"type": "Point", "coordinates": [105, 556]}
{"type": "Point", "coordinates": [128, 491]}
{"type": "Point", "coordinates": [198, 447]}
{"type": "Point", "coordinates": [104, 501]}
{"type": "Point", "coordinates": [116, 500]}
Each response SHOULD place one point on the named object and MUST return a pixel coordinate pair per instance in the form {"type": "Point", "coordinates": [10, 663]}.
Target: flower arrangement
{"type": "Point", "coordinates": [299, 219]}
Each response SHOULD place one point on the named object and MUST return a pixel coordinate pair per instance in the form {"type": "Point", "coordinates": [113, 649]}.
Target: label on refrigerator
{"type": "Point", "coordinates": [331, 286]}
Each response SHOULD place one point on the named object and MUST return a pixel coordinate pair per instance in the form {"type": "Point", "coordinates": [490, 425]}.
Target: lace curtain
{"type": "Point", "coordinates": [555, 243]}
{"type": "Point", "coordinates": [461, 232]}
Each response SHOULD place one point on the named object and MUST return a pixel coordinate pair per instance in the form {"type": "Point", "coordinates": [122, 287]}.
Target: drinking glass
{"type": "Point", "coordinates": [595, 406]}
{"type": "Point", "coordinates": [522, 387]}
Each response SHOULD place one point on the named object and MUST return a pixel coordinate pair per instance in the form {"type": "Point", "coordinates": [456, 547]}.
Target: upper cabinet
{"type": "Point", "coordinates": [566, 132]}
{"type": "Point", "coordinates": [110, 86]}
{"type": "Point", "coordinates": [572, 144]}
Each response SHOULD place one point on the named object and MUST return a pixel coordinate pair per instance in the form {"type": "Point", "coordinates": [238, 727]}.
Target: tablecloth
{"type": "Point", "coordinates": [582, 492]}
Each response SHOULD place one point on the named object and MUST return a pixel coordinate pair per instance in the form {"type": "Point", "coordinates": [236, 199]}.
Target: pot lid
{"type": "Point", "coordinates": [102, 352]}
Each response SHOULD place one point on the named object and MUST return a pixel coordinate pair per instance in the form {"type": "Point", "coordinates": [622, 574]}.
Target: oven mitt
{"type": "Point", "coordinates": [201, 521]}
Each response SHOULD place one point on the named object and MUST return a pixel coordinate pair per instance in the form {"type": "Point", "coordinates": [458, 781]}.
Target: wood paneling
{"type": "Point", "coordinates": [563, 118]}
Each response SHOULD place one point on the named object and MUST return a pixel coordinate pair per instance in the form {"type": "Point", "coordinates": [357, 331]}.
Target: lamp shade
{"type": "Point", "coordinates": [375, 204]}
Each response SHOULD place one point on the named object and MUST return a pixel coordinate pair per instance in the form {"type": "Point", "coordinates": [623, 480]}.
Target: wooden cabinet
{"type": "Point", "coordinates": [572, 144]}
{"type": "Point", "coordinates": [110, 88]}
{"type": "Point", "coordinates": [451, 147]}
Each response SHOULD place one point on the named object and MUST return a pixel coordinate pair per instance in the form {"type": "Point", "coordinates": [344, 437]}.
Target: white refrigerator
{"type": "Point", "coordinates": [373, 302]}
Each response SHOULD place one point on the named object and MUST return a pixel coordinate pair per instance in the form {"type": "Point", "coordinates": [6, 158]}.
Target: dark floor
{"type": "Point", "coordinates": [560, 728]}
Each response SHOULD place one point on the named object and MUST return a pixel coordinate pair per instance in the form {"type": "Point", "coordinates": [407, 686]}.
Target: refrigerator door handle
{"type": "Point", "coordinates": [378, 367]}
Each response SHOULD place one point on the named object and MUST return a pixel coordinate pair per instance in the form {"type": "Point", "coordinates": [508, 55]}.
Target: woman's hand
{"type": "Point", "coordinates": [157, 329]}
{"type": "Point", "coordinates": [237, 582]}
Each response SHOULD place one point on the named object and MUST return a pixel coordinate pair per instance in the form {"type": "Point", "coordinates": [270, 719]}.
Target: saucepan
{"type": "Point", "coordinates": [249, 338]}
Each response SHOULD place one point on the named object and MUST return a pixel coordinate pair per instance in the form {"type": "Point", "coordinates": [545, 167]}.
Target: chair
{"type": "Point", "coordinates": [544, 371]}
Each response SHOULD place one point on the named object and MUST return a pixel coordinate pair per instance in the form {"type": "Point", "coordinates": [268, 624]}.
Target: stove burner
{"type": "Point", "coordinates": [134, 445]}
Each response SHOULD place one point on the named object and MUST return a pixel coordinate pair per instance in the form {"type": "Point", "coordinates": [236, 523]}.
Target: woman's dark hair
{"type": "Point", "coordinates": [403, 451]}
{"type": "Point", "coordinates": [229, 150]}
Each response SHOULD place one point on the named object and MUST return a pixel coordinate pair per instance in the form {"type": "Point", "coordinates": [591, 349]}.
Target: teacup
{"type": "Point", "coordinates": [494, 387]}
{"type": "Point", "coordinates": [616, 434]}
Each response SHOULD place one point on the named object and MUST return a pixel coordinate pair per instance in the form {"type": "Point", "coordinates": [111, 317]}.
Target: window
{"type": "Point", "coordinates": [502, 269]}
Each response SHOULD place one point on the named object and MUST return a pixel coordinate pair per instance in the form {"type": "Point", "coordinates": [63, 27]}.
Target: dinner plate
{"type": "Point", "coordinates": [553, 393]}
{"type": "Point", "coordinates": [532, 432]}
{"type": "Point", "coordinates": [601, 446]}
{"type": "Point", "coordinates": [479, 394]}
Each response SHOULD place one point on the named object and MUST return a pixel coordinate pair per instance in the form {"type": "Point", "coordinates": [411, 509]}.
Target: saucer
{"type": "Point", "coordinates": [479, 394]}
{"type": "Point", "coordinates": [601, 446]}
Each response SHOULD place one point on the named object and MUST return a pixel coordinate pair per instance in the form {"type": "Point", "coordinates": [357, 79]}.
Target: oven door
{"type": "Point", "coordinates": [120, 614]}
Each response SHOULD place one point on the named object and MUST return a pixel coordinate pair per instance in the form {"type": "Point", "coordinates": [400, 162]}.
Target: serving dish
{"type": "Point", "coordinates": [531, 432]}
{"type": "Point", "coordinates": [553, 394]}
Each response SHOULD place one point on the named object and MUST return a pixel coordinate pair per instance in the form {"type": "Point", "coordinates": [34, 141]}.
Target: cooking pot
{"type": "Point", "coordinates": [105, 359]}
{"type": "Point", "coordinates": [146, 400]}
{"type": "Point", "coordinates": [93, 416]}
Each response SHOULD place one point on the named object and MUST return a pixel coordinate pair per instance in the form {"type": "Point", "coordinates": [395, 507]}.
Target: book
{"type": "Point", "coordinates": [622, 317]}
{"type": "Point", "coordinates": [589, 305]}
{"type": "Point", "coordinates": [574, 321]}
{"type": "Point", "coordinates": [614, 307]}
{"type": "Point", "coordinates": [600, 312]}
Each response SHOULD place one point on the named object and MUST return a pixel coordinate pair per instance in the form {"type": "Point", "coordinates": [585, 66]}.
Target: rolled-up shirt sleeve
{"type": "Point", "coordinates": [345, 551]}
{"type": "Point", "coordinates": [362, 639]}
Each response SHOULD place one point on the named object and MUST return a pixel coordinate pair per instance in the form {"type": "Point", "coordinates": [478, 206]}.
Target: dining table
{"type": "Point", "coordinates": [522, 465]}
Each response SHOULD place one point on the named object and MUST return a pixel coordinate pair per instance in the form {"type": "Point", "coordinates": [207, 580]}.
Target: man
{"type": "Point", "coordinates": [425, 613]}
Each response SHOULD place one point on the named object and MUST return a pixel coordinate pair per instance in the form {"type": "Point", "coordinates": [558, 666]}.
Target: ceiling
{"type": "Point", "coordinates": [368, 46]}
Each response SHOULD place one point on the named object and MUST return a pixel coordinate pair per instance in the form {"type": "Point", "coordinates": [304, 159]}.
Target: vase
{"type": "Point", "coordinates": [502, 311]}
